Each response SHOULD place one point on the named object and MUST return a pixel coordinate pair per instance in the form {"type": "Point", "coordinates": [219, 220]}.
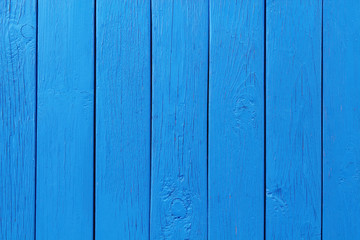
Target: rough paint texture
{"type": "Point", "coordinates": [17, 118]}
{"type": "Point", "coordinates": [293, 118]}
{"type": "Point", "coordinates": [341, 177]}
{"type": "Point", "coordinates": [236, 120]}
{"type": "Point", "coordinates": [162, 172]}
{"type": "Point", "coordinates": [65, 120]}
{"type": "Point", "coordinates": [123, 119]}
{"type": "Point", "coordinates": [179, 119]}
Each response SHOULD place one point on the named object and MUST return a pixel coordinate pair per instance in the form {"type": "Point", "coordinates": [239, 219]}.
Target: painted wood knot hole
{"type": "Point", "coordinates": [178, 208]}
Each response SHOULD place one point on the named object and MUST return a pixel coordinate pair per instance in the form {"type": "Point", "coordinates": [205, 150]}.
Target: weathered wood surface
{"type": "Point", "coordinates": [123, 119]}
{"type": "Point", "coordinates": [65, 137]}
{"type": "Point", "coordinates": [236, 120]}
{"type": "Point", "coordinates": [293, 119]}
{"type": "Point", "coordinates": [341, 179]}
{"type": "Point", "coordinates": [179, 119]}
{"type": "Point", "coordinates": [17, 118]}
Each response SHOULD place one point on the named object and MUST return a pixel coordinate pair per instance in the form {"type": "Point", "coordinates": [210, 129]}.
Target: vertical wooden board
{"type": "Point", "coordinates": [293, 119]}
{"type": "Point", "coordinates": [236, 120]}
{"type": "Point", "coordinates": [65, 120]}
{"type": "Point", "coordinates": [341, 77]}
{"type": "Point", "coordinates": [17, 118]}
{"type": "Point", "coordinates": [123, 119]}
{"type": "Point", "coordinates": [179, 119]}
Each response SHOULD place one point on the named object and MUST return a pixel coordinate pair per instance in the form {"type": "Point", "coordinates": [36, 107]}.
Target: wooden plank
{"type": "Point", "coordinates": [65, 120]}
{"type": "Point", "coordinates": [236, 120]}
{"type": "Point", "coordinates": [341, 175]}
{"type": "Point", "coordinates": [179, 119]}
{"type": "Point", "coordinates": [123, 119]}
{"type": "Point", "coordinates": [17, 118]}
{"type": "Point", "coordinates": [293, 119]}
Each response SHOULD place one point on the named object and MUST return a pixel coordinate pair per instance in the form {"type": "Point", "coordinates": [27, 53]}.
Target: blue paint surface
{"type": "Point", "coordinates": [293, 119]}
{"type": "Point", "coordinates": [64, 197]}
{"type": "Point", "coordinates": [236, 120]}
{"type": "Point", "coordinates": [122, 120]}
{"type": "Point", "coordinates": [17, 119]}
{"type": "Point", "coordinates": [181, 119]}
{"type": "Point", "coordinates": [341, 177]}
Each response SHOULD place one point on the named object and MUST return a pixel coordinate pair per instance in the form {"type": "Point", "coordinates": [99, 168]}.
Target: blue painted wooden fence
{"type": "Point", "coordinates": [183, 119]}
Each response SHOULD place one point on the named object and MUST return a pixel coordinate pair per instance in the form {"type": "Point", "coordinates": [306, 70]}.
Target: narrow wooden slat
{"type": "Point", "coordinates": [293, 119]}
{"type": "Point", "coordinates": [17, 118]}
{"type": "Point", "coordinates": [236, 120]}
{"type": "Point", "coordinates": [122, 119]}
{"type": "Point", "coordinates": [179, 119]}
{"type": "Point", "coordinates": [341, 79]}
{"type": "Point", "coordinates": [65, 120]}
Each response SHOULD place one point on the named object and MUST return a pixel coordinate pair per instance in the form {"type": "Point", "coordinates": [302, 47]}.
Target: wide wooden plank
{"type": "Point", "coordinates": [293, 119]}
{"type": "Point", "coordinates": [341, 79]}
{"type": "Point", "coordinates": [179, 119]}
{"type": "Point", "coordinates": [65, 120]}
{"type": "Point", "coordinates": [236, 120]}
{"type": "Point", "coordinates": [122, 119]}
{"type": "Point", "coordinates": [17, 118]}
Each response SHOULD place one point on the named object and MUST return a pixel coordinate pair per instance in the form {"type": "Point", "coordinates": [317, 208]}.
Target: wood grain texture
{"type": "Point", "coordinates": [236, 120]}
{"type": "Point", "coordinates": [341, 76]}
{"type": "Point", "coordinates": [65, 120]}
{"type": "Point", "coordinates": [293, 118]}
{"type": "Point", "coordinates": [123, 119]}
{"type": "Point", "coordinates": [179, 119]}
{"type": "Point", "coordinates": [17, 118]}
